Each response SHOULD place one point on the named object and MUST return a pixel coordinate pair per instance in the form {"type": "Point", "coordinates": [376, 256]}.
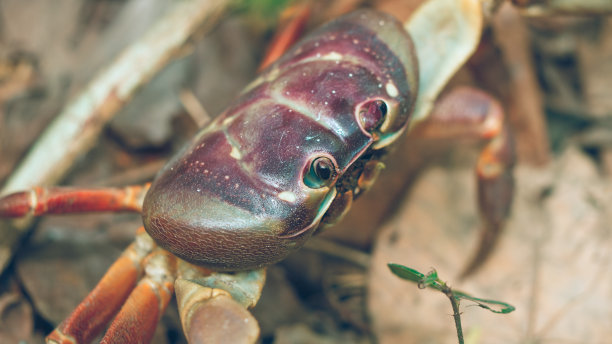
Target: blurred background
{"type": "Point", "coordinates": [551, 74]}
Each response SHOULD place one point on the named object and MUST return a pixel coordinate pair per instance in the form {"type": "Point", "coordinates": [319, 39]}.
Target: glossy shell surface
{"type": "Point", "coordinates": [235, 198]}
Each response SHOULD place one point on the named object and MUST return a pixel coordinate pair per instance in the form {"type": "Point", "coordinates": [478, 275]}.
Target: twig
{"type": "Point", "coordinates": [560, 7]}
{"type": "Point", "coordinates": [194, 108]}
{"type": "Point", "coordinates": [77, 127]}
{"type": "Point", "coordinates": [525, 104]}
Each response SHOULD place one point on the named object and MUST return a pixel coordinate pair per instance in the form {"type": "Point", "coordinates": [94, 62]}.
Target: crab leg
{"type": "Point", "coordinates": [140, 314]}
{"type": "Point", "coordinates": [74, 131]}
{"type": "Point", "coordinates": [64, 200]}
{"type": "Point", "coordinates": [495, 193]}
{"type": "Point", "coordinates": [470, 113]}
{"type": "Point", "coordinates": [95, 311]}
{"type": "Point", "coordinates": [463, 113]}
{"type": "Point", "coordinates": [291, 29]}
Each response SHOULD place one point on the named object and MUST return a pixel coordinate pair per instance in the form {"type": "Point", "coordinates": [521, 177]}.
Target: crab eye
{"type": "Point", "coordinates": [322, 172]}
{"type": "Point", "coordinates": [372, 115]}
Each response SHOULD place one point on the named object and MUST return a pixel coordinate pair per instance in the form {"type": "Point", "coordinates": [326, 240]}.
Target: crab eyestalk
{"type": "Point", "coordinates": [254, 185]}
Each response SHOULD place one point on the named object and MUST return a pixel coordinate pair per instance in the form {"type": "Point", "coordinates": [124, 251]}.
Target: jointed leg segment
{"type": "Point", "coordinates": [65, 200]}
{"type": "Point", "coordinates": [473, 114]}
{"type": "Point", "coordinates": [137, 288]}
{"type": "Point", "coordinates": [95, 311]}
{"type": "Point", "coordinates": [138, 318]}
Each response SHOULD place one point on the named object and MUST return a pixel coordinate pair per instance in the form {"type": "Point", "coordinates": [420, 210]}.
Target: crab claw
{"type": "Point", "coordinates": [213, 308]}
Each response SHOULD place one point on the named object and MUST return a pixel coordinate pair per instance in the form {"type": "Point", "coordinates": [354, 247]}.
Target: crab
{"type": "Point", "coordinates": [139, 285]}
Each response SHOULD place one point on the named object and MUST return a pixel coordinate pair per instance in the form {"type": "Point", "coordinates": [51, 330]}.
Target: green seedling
{"type": "Point", "coordinates": [431, 280]}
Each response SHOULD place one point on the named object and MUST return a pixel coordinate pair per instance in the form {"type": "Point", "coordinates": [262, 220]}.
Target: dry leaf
{"type": "Point", "coordinates": [553, 262]}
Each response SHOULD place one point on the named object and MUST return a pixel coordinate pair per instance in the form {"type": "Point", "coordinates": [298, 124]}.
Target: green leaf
{"type": "Point", "coordinates": [431, 279]}
{"type": "Point", "coordinates": [492, 305]}
{"type": "Point", "coordinates": [266, 9]}
{"type": "Point", "coordinates": [406, 273]}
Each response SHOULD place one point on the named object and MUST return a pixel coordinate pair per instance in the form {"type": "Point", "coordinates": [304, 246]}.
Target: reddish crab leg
{"type": "Point", "coordinates": [288, 33]}
{"type": "Point", "coordinates": [470, 113]}
{"type": "Point", "coordinates": [64, 200]}
{"type": "Point", "coordinates": [495, 193]}
{"type": "Point", "coordinates": [140, 314]}
{"type": "Point", "coordinates": [95, 311]}
{"type": "Point", "coordinates": [463, 113]}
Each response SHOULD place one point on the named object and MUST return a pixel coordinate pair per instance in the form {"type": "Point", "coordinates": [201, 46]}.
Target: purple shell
{"type": "Point", "coordinates": [235, 198]}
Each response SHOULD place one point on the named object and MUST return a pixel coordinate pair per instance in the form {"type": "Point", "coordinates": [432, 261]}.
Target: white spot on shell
{"type": "Point", "coordinates": [287, 196]}
{"type": "Point", "coordinates": [391, 89]}
{"type": "Point", "coordinates": [332, 56]}
{"type": "Point", "coordinates": [235, 153]}
{"type": "Point", "coordinates": [226, 177]}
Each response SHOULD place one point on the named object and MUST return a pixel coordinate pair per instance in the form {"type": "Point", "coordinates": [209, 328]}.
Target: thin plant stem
{"type": "Point", "coordinates": [456, 315]}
